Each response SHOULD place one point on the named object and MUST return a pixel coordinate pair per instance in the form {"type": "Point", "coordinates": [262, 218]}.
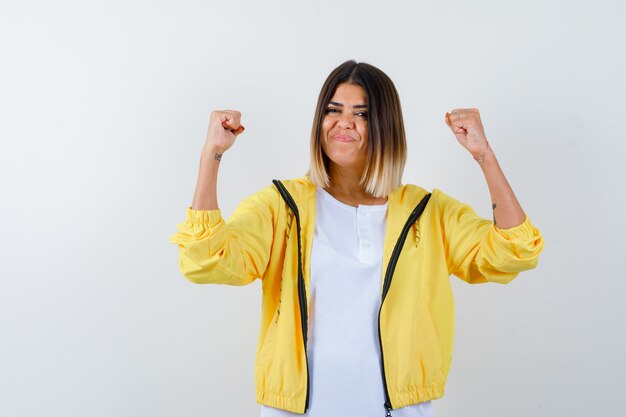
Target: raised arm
{"type": "Point", "coordinates": [215, 251]}
{"type": "Point", "coordinates": [468, 129]}
{"type": "Point", "coordinates": [224, 126]}
{"type": "Point", "coordinates": [479, 250]}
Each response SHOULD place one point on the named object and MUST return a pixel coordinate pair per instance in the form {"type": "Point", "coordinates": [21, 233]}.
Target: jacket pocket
{"type": "Point", "coordinates": [269, 341]}
{"type": "Point", "coordinates": [429, 327]}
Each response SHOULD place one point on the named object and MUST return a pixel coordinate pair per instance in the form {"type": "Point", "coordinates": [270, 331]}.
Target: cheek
{"type": "Point", "coordinates": [326, 125]}
{"type": "Point", "coordinates": [364, 134]}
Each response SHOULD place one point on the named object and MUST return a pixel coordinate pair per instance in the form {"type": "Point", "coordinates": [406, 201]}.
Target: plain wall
{"type": "Point", "coordinates": [103, 112]}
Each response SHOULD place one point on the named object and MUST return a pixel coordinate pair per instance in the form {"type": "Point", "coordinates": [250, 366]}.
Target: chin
{"type": "Point", "coordinates": [344, 158]}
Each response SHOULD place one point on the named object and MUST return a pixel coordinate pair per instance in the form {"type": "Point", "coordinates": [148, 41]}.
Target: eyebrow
{"type": "Point", "coordinates": [356, 106]}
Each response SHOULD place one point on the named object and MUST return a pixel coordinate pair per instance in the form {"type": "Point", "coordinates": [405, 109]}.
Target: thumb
{"type": "Point", "coordinates": [457, 130]}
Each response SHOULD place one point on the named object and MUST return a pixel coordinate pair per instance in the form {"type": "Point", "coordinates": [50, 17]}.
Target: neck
{"type": "Point", "coordinates": [344, 186]}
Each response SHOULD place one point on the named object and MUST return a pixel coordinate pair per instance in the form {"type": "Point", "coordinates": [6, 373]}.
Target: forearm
{"type": "Point", "coordinates": [205, 196]}
{"type": "Point", "coordinates": [507, 211]}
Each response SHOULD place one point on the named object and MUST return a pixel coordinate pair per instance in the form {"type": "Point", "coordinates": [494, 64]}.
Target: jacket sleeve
{"type": "Point", "coordinates": [233, 252]}
{"type": "Point", "coordinates": [478, 251]}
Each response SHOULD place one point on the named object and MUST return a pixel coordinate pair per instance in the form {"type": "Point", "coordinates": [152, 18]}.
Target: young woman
{"type": "Point", "coordinates": [357, 309]}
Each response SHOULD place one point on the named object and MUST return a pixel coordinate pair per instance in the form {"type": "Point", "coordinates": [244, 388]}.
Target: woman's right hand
{"type": "Point", "coordinates": [224, 127]}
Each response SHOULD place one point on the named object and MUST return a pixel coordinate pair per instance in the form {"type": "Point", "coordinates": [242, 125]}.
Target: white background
{"type": "Point", "coordinates": [103, 113]}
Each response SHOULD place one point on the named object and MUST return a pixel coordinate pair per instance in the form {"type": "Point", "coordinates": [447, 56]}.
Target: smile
{"type": "Point", "coordinates": [343, 138]}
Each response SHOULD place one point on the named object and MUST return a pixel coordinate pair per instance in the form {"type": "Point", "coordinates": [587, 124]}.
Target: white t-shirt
{"type": "Point", "coordinates": [346, 281]}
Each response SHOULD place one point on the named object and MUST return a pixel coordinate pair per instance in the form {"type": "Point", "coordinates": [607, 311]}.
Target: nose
{"type": "Point", "coordinates": [346, 120]}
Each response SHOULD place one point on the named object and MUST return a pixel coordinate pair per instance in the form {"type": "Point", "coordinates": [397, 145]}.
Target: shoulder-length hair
{"type": "Point", "coordinates": [386, 146]}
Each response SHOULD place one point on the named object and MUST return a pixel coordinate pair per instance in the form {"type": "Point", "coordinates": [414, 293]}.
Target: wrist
{"type": "Point", "coordinates": [482, 156]}
{"type": "Point", "coordinates": [489, 161]}
{"type": "Point", "coordinates": [212, 154]}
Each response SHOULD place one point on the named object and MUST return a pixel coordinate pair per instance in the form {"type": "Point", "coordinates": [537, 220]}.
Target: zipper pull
{"type": "Point", "coordinates": [388, 408]}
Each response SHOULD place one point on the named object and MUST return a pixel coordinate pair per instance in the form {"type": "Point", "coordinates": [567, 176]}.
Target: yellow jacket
{"type": "Point", "coordinates": [266, 239]}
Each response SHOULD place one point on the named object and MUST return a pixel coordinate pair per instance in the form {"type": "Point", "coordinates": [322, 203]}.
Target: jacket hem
{"type": "Point", "coordinates": [416, 395]}
{"type": "Point", "coordinates": [293, 404]}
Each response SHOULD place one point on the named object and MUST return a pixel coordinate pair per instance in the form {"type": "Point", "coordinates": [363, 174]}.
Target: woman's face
{"type": "Point", "coordinates": [344, 128]}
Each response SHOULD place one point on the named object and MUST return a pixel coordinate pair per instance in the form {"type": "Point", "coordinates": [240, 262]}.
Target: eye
{"type": "Point", "coordinates": [363, 114]}
{"type": "Point", "coordinates": [330, 110]}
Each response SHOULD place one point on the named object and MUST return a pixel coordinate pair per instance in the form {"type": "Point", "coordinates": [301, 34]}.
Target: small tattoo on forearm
{"type": "Point", "coordinates": [218, 156]}
{"type": "Point", "coordinates": [493, 207]}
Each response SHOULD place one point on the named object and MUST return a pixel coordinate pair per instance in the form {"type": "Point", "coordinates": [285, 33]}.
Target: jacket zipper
{"type": "Point", "coordinates": [301, 286]}
{"type": "Point", "coordinates": [387, 283]}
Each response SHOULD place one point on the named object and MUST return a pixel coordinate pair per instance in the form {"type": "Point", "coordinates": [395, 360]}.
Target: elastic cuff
{"type": "Point", "coordinates": [525, 229]}
{"type": "Point", "coordinates": [208, 217]}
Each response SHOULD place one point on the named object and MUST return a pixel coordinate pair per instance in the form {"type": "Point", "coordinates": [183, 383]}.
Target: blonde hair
{"type": "Point", "coordinates": [386, 153]}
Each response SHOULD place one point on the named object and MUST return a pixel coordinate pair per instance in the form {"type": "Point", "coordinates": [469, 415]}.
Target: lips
{"type": "Point", "coordinates": [343, 138]}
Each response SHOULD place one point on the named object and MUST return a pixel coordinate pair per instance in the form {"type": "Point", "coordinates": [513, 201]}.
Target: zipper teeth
{"type": "Point", "coordinates": [301, 286]}
{"type": "Point", "coordinates": [387, 283]}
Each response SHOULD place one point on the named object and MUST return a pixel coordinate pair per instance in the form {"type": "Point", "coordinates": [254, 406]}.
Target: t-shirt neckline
{"type": "Point", "coordinates": [361, 207]}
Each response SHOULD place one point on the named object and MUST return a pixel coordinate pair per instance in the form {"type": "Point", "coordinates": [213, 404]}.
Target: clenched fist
{"type": "Point", "coordinates": [468, 130]}
{"type": "Point", "coordinates": [224, 127]}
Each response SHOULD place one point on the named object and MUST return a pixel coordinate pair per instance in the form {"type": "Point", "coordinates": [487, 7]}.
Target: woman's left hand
{"type": "Point", "coordinates": [468, 129]}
